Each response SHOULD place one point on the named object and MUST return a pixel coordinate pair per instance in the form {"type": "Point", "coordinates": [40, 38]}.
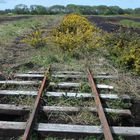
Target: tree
{"type": "Point", "coordinates": [137, 11]}
{"type": "Point", "coordinates": [101, 9]}
{"type": "Point", "coordinates": [116, 10]}
{"type": "Point", "coordinates": [38, 9]}
{"type": "Point", "coordinates": [2, 12]}
{"type": "Point", "coordinates": [86, 10]}
{"type": "Point", "coordinates": [57, 9]}
{"type": "Point", "coordinates": [21, 9]}
{"type": "Point", "coordinates": [128, 11]}
{"type": "Point", "coordinates": [72, 8]}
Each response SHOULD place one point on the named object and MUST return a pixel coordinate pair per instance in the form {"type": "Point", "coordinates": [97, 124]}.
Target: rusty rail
{"type": "Point", "coordinates": [102, 117]}
{"type": "Point", "coordinates": [31, 120]}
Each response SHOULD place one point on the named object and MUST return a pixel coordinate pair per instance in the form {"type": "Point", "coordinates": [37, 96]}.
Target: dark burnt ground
{"type": "Point", "coordinates": [12, 18]}
{"type": "Point", "coordinates": [119, 18]}
{"type": "Point", "coordinates": [109, 24]}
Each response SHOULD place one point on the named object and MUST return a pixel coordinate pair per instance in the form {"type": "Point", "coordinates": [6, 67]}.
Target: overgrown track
{"type": "Point", "coordinates": [65, 95]}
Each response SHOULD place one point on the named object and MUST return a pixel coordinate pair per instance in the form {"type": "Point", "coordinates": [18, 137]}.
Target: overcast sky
{"type": "Point", "coordinates": [5, 4]}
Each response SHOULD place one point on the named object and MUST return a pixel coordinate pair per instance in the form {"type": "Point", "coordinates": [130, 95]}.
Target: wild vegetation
{"type": "Point", "coordinates": [76, 35]}
{"type": "Point", "coordinates": [71, 8]}
{"type": "Point", "coordinates": [8, 32]}
{"type": "Point", "coordinates": [35, 38]}
{"type": "Point", "coordinates": [61, 45]}
{"type": "Point", "coordinates": [124, 50]}
{"type": "Point", "coordinates": [76, 32]}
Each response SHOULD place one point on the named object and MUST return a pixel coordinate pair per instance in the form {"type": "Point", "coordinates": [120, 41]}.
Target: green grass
{"type": "Point", "coordinates": [69, 101]}
{"type": "Point", "coordinates": [10, 30]}
{"type": "Point", "coordinates": [50, 54]}
{"type": "Point", "coordinates": [130, 23]}
{"type": "Point", "coordinates": [85, 88]}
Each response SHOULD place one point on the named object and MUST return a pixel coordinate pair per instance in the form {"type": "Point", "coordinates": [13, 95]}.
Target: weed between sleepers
{"type": "Point", "coordinates": [69, 137]}
{"type": "Point", "coordinates": [117, 104]}
{"type": "Point", "coordinates": [83, 117]}
{"type": "Point", "coordinates": [68, 101]}
{"type": "Point", "coordinates": [18, 100]}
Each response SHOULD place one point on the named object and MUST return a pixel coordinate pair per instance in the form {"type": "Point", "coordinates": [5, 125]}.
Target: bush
{"type": "Point", "coordinates": [124, 48]}
{"type": "Point", "coordinates": [74, 31]}
{"type": "Point", "coordinates": [35, 38]}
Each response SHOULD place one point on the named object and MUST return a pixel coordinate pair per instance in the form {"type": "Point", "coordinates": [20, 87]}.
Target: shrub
{"type": "Point", "coordinates": [74, 31]}
{"type": "Point", "coordinates": [124, 48]}
{"type": "Point", "coordinates": [131, 56]}
{"type": "Point", "coordinates": [35, 38]}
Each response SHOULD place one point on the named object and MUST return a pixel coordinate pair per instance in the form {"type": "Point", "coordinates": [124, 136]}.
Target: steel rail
{"type": "Point", "coordinates": [31, 121]}
{"type": "Point", "coordinates": [102, 117]}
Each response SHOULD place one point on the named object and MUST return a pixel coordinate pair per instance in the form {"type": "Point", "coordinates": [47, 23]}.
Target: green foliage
{"type": "Point", "coordinates": [124, 48]}
{"type": "Point", "coordinates": [43, 60]}
{"type": "Point", "coordinates": [69, 101]}
{"type": "Point", "coordinates": [56, 9]}
{"type": "Point", "coordinates": [38, 9]}
{"type": "Point", "coordinates": [85, 88]}
{"type": "Point", "coordinates": [118, 104]}
{"type": "Point", "coordinates": [70, 8]}
{"type": "Point", "coordinates": [22, 100]}
{"type": "Point", "coordinates": [94, 138]}
{"type": "Point", "coordinates": [21, 9]}
{"type": "Point", "coordinates": [116, 10]}
{"type": "Point", "coordinates": [76, 32]}
{"type": "Point", "coordinates": [9, 31]}
{"type": "Point", "coordinates": [137, 11]}
{"type": "Point", "coordinates": [65, 100]}
{"type": "Point", "coordinates": [35, 38]}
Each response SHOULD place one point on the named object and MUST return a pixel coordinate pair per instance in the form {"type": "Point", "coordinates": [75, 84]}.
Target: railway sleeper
{"type": "Point", "coordinates": [22, 109]}
{"type": "Point", "coordinates": [58, 85]}
{"type": "Point", "coordinates": [17, 128]}
{"type": "Point", "coordinates": [62, 76]}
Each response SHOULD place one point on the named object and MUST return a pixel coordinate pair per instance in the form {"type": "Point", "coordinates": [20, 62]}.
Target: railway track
{"type": "Point", "coordinates": [59, 96]}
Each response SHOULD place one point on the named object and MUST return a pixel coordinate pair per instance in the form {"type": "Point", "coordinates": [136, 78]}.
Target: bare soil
{"type": "Point", "coordinates": [110, 24]}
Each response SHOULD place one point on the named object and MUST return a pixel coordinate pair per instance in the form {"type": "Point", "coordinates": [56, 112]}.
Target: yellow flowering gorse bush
{"type": "Point", "coordinates": [74, 31]}
{"type": "Point", "coordinates": [35, 38]}
{"type": "Point", "coordinates": [124, 47]}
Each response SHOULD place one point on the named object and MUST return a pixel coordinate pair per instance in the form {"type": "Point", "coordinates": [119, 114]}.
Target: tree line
{"type": "Point", "coordinates": [71, 8]}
